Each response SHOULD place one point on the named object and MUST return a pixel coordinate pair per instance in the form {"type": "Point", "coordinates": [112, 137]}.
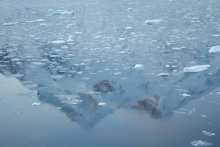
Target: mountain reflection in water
{"type": "Point", "coordinates": [90, 69]}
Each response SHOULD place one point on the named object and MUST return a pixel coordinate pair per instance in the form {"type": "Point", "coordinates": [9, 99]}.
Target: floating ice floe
{"type": "Point", "coordinates": [57, 42]}
{"type": "Point", "coordinates": [163, 74]}
{"type": "Point", "coordinates": [36, 103]}
{"type": "Point", "coordinates": [208, 133]}
{"type": "Point", "coordinates": [37, 63]}
{"type": "Point", "coordinates": [214, 49]}
{"type": "Point", "coordinates": [62, 12]}
{"type": "Point", "coordinates": [10, 23]}
{"type": "Point", "coordinates": [185, 111]}
{"type": "Point", "coordinates": [197, 68]}
{"type": "Point", "coordinates": [186, 95]}
{"type": "Point", "coordinates": [101, 104]}
{"type": "Point", "coordinates": [177, 48]}
{"type": "Point", "coordinates": [138, 66]}
{"type": "Point", "coordinates": [128, 28]}
{"type": "Point", "coordinates": [43, 24]}
{"type": "Point", "coordinates": [39, 20]}
{"type": "Point", "coordinates": [117, 73]}
{"type": "Point", "coordinates": [204, 116]}
{"type": "Point", "coordinates": [200, 143]}
{"type": "Point", "coordinates": [216, 35]}
{"type": "Point", "coordinates": [154, 21]}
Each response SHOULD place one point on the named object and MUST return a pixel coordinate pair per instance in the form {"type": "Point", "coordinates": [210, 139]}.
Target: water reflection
{"type": "Point", "coordinates": [123, 63]}
{"type": "Point", "coordinates": [86, 112]}
{"type": "Point", "coordinates": [60, 84]}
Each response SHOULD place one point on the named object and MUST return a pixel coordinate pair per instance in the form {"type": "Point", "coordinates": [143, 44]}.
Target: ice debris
{"type": "Point", "coordinates": [36, 103]}
{"type": "Point", "coordinates": [197, 68]}
{"type": "Point", "coordinates": [154, 21]}
{"type": "Point", "coordinates": [200, 143]}
{"type": "Point", "coordinates": [208, 133]}
{"type": "Point", "coordinates": [186, 95]}
{"type": "Point", "coordinates": [62, 12]}
{"type": "Point", "coordinates": [163, 74]}
{"type": "Point", "coordinates": [58, 42]}
{"type": "Point", "coordinates": [101, 104]}
{"type": "Point", "coordinates": [10, 23]}
{"type": "Point", "coordinates": [186, 111]}
{"type": "Point", "coordinates": [138, 66]}
{"type": "Point", "coordinates": [214, 49]}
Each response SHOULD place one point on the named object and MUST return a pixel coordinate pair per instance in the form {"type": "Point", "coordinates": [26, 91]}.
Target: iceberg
{"type": "Point", "coordinates": [197, 68]}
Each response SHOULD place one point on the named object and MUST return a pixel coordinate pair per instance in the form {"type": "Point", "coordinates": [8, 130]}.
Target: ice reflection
{"type": "Point", "coordinates": [84, 109]}
{"type": "Point", "coordinates": [118, 56]}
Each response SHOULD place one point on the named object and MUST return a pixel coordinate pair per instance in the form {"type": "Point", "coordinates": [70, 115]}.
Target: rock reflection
{"type": "Point", "coordinates": [87, 113]}
{"type": "Point", "coordinates": [151, 105]}
{"type": "Point", "coordinates": [104, 86]}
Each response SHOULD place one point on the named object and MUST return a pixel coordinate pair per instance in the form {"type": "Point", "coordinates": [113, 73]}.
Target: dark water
{"type": "Point", "coordinates": [109, 73]}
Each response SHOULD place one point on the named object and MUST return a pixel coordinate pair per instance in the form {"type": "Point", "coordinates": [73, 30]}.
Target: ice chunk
{"type": "Point", "coordinates": [200, 143]}
{"type": "Point", "coordinates": [117, 73]}
{"type": "Point", "coordinates": [138, 66]}
{"type": "Point", "coordinates": [128, 28]}
{"type": "Point", "coordinates": [186, 95]}
{"type": "Point", "coordinates": [185, 111]}
{"type": "Point", "coordinates": [197, 68]}
{"type": "Point", "coordinates": [58, 42]}
{"type": "Point", "coordinates": [39, 20]}
{"type": "Point", "coordinates": [15, 59]}
{"type": "Point", "coordinates": [204, 116]}
{"type": "Point", "coordinates": [10, 23]}
{"type": "Point", "coordinates": [154, 21]}
{"type": "Point", "coordinates": [101, 104]}
{"type": "Point", "coordinates": [30, 21]}
{"type": "Point", "coordinates": [36, 103]}
{"type": "Point", "coordinates": [43, 24]}
{"type": "Point", "coordinates": [163, 74]}
{"type": "Point", "coordinates": [214, 49]}
{"type": "Point", "coordinates": [216, 35]}
{"type": "Point", "coordinates": [208, 133]}
{"type": "Point", "coordinates": [62, 12]}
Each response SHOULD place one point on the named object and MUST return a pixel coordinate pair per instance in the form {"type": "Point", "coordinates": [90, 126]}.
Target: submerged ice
{"type": "Point", "coordinates": [209, 134]}
{"type": "Point", "coordinates": [200, 143]}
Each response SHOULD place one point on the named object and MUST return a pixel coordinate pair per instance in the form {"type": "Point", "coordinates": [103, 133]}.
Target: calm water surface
{"type": "Point", "coordinates": [109, 73]}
